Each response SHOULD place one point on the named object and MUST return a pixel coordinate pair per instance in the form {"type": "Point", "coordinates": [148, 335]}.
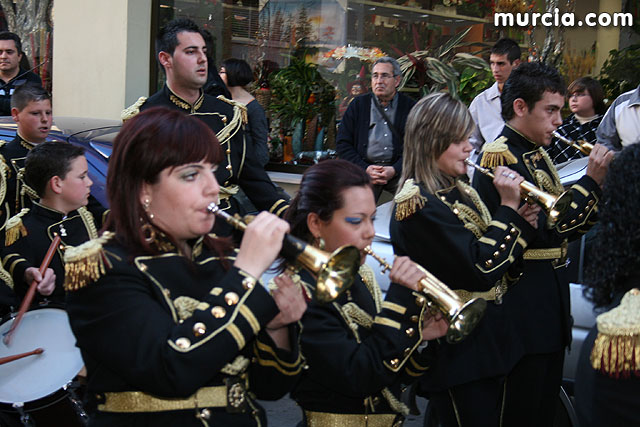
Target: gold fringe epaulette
{"type": "Point", "coordinates": [132, 110]}
{"type": "Point", "coordinates": [85, 263]}
{"type": "Point", "coordinates": [15, 228]}
{"type": "Point", "coordinates": [497, 153]}
{"type": "Point", "coordinates": [242, 107]}
{"type": "Point", "coordinates": [616, 351]}
{"type": "Point", "coordinates": [408, 200]}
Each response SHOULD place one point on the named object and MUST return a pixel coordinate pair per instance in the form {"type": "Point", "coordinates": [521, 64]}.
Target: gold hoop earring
{"type": "Point", "coordinates": [148, 233]}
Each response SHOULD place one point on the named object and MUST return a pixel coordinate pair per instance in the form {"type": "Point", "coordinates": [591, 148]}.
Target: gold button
{"type": "Point", "coordinates": [228, 167]}
{"type": "Point", "coordinates": [183, 343]}
{"type": "Point", "coordinates": [231, 298]}
{"type": "Point", "coordinates": [414, 318]}
{"type": "Point", "coordinates": [228, 150]}
{"type": "Point", "coordinates": [564, 226]}
{"type": "Point", "coordinates": [218, 312]}
{"type": "Point", "coordinates": [580, 216]}
{"type": "Point", "coordinates": [205, 414]}
{"type": "Point", "coordinates": [199, 329]}
{"type": "Point", "coordinates": [573, 222]}
{"type": "Point", "coordinates": [410, 332]}
{"type": "Point", "coordinates": [143, 267]}
{"type": "Point", "coordinates": [456, 211]}
{"type": "Point", "coordinates": [507, 238]}
{"type": "Point", "coordinates": [488, 263]}
{"type": "Point", "coordinates": [443, 198]}
{"type": "Point", "coordinates": [248, 283]}
{"type": "Point", "coordinates": [407, 352]}
{"type": "Point", "coordinates": [166, 293]}
{"type": "Point", "coordinates": [503, 247]}
{"type": "Point", "coordinates": [394, 363]}
{"type": "Point", "coordinates": [513, 231]}
{"type": "Point", "coordinates": [496, 254]}
{"type": "Point", "coordinates": [591, 202]}
{"type": "Point", "coordinates": [420, 301]}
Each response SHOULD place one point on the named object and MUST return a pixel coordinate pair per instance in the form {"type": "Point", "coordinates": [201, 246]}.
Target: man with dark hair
{"type": "Point", "coordinates": [58, 172]}
{"type": "Point", "coordinates": [11, 75]}
{"type": "Point", "coordinates": [485, 108]}
{"type": "Point", "coordinates": [371, 132]}
{"type": "Point", "coordinates": [182, 54]}
{"type": "Point", "coordinates": [31, 110]}
{"type": "Point", "coordinates": [536, 309]}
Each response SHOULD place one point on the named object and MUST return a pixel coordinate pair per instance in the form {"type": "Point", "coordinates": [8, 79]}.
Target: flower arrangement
{"type": "Point", "coordinates": [361, 53]}
{"type": "Point", "coordinates": [513, 6]}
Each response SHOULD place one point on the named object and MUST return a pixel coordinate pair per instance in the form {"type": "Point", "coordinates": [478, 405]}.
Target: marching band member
{"type": "Point", "coordinates": [174, 327]}
{"type": "Point", "coordinates": [361, 349]}
{"type": "Point", "coordinates": [440, 222]}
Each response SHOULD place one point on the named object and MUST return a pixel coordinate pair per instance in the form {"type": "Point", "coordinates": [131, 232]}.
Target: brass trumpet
{"type": "Point", "coordinates": [334, 272]}
{"type": "Point", "coordinates": [462, 317]}
{"type": "Point", "coordinates": [554, 206]}
{"type": "Point", "coordinates": [583, 146]}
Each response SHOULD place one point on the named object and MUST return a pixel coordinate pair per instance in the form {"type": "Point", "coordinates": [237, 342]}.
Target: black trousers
{"type": "Point", "coordinates": [527, 396]}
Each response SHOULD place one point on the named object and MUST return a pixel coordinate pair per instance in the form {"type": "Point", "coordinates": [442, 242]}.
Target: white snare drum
{"type": "Point", "coordinates": [35, 377]}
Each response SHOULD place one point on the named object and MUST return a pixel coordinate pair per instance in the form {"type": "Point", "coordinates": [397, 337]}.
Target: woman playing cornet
{"type": "Point", "coordinates": [441, 223]}
{"type": "Point", "coordinates": [361, 348]}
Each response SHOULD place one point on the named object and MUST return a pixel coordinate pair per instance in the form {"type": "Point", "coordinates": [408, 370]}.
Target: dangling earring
{"type": "Point", "coordinates": [148, 232]}
{"type": "Point", "coordinates": [145, 205]}
{"type": "Point", "coordinates": [319, 242]}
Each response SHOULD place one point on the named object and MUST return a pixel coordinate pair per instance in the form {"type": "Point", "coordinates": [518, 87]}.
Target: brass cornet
{"type": "Point", "coordinates": [334, 272]}
{"type": "Point", "coordinates": [462, 317]}
{"type": "Point", "coordinates": [583, 146]}
{"type": "Point", "coordinates": [554, 206]}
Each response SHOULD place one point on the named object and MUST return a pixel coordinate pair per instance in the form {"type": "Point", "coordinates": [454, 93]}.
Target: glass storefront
{"type": "Point", "coordinates": [310, 58]}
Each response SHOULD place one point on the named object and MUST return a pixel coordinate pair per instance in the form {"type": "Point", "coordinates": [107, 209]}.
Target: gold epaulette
{"type": "Point", "coordinates": [497, 153]}
{"type": "Point", "coordinates": [616, 350]}
{"type": "Point", "coordinates": [86, 263]}
{"type": "Point", "coordinates": [242, 107]}
{"type": "Point", "coordinates": [132, 110]}
{"type": "Point", "coordinates": [15, 228]}
{"type": "Point", "coordinates": [408, 200]}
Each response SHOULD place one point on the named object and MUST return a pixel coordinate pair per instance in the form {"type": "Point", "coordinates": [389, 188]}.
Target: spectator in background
{"type": "Point", "coordinates": [586, 101]}
{"type": "Point", "coordinates": [236, 74]}
{"type": "Point", "coordinates": [620, 126]}
{"type": "Point", "coordinates": [12, 75]}
{"type": "Point", "coordinates": [485, 108]}
{"type": "Point", "coordinates": [371, 132]}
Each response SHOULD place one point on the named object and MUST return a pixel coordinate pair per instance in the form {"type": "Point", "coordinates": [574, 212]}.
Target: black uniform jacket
{"type": "Point", "coordinates": [167, 326]}
{"type": "Point", "coordinates": [12, 156]}
{"type": "Point", "coordinates": [360, 345]}
{"type": "Point", "coordinates": [42, 224]}
{"type": "Point", "coordinates": [239, 166]}
{"type": "Point", "coordinates": [538, 306]}
{"type": "Point", "coordinates": [456, 240]}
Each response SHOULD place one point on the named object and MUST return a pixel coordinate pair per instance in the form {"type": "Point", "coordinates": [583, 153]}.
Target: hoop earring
{"type": "Point", "coordinates": [148, 233]}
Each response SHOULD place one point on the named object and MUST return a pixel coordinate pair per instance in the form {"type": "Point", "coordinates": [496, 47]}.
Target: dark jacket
{"type": "Point", "coordinates": [353, 133]}
{"type": "Point", "coordinates": [350, 360]}
{"type": "Point", "coordinates": [468, 251]}
{"type": "Point", "coordinates": [539, 311]}
{"type": "Point", "coordinates": [168, 326]}
{"type": "Point", "coordinates": [7, 88]}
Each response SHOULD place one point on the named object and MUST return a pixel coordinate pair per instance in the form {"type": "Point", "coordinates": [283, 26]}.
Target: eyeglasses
{"type": "Point", "coordinates": [383, 76]}
{"type": "Point", "coordinates": [578, 95]}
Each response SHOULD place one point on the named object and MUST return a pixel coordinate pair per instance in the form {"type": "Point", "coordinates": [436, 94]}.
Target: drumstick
{"type": "Point", "coordinates": [8, 359]}
{"type": "Point", "coordinates": [32, 290]}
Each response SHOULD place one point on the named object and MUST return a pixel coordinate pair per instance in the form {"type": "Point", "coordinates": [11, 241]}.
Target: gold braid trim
{"type": "Point", "coordinates": [239, 365]}
{"type": "Point", "coordinates": [6, 277]}
{"type": "Point", "coordinates": [554, 172]}
{"type": "Point", "coordinates": [24, 188]}
{"type": "Point", "coordinates": [242, 107]}
{"type": "Point", "coordinates": [497, 153]}
{"type": "Point", "coordinates": [616, 350]}
{"type": "Point", "coordinates": [132, 110]}
{"type": "Point", "coordinates": [4, 173]}
{"type": "Point", "coordinates": [15, 228]}
{"type": "Point", "coordinates": [369, 279]}
{"type": "Point", "coordinates": [546, 182]}
{"type": "Point", "coordinates": [408, 200]}
{"type": "Point", "coordinates": [89, 224]}
{"type": "Point", "coordinates": [476, 222]}
{"type": "Point", "coordinates": [395, 404]}
{"type": "Point", "coordinates": [86, 263]}
{"type": "Point", "coordinates": [185, 306]}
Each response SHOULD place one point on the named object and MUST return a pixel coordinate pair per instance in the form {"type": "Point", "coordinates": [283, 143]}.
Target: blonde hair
{"type": "Point", "coordinates": [434, 123]}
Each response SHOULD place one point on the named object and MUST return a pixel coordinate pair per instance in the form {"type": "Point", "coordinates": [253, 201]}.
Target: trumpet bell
{"type": "Point", "coordinates": [558, 208]}
{"type": "Point", "coordinates": [337, 273]}
{"type": "Point", "coordinates": [465, 319]}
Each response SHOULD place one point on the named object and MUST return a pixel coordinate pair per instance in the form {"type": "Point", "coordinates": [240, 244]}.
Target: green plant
{"type": "Point", "coordinates": [435, 69]}
{"type": "Point", "coordinates": [472, 82]}
{"type": "Point", "coordinates": [621, 71]}
{"type": "Point", "coordinates": [300, 93]}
